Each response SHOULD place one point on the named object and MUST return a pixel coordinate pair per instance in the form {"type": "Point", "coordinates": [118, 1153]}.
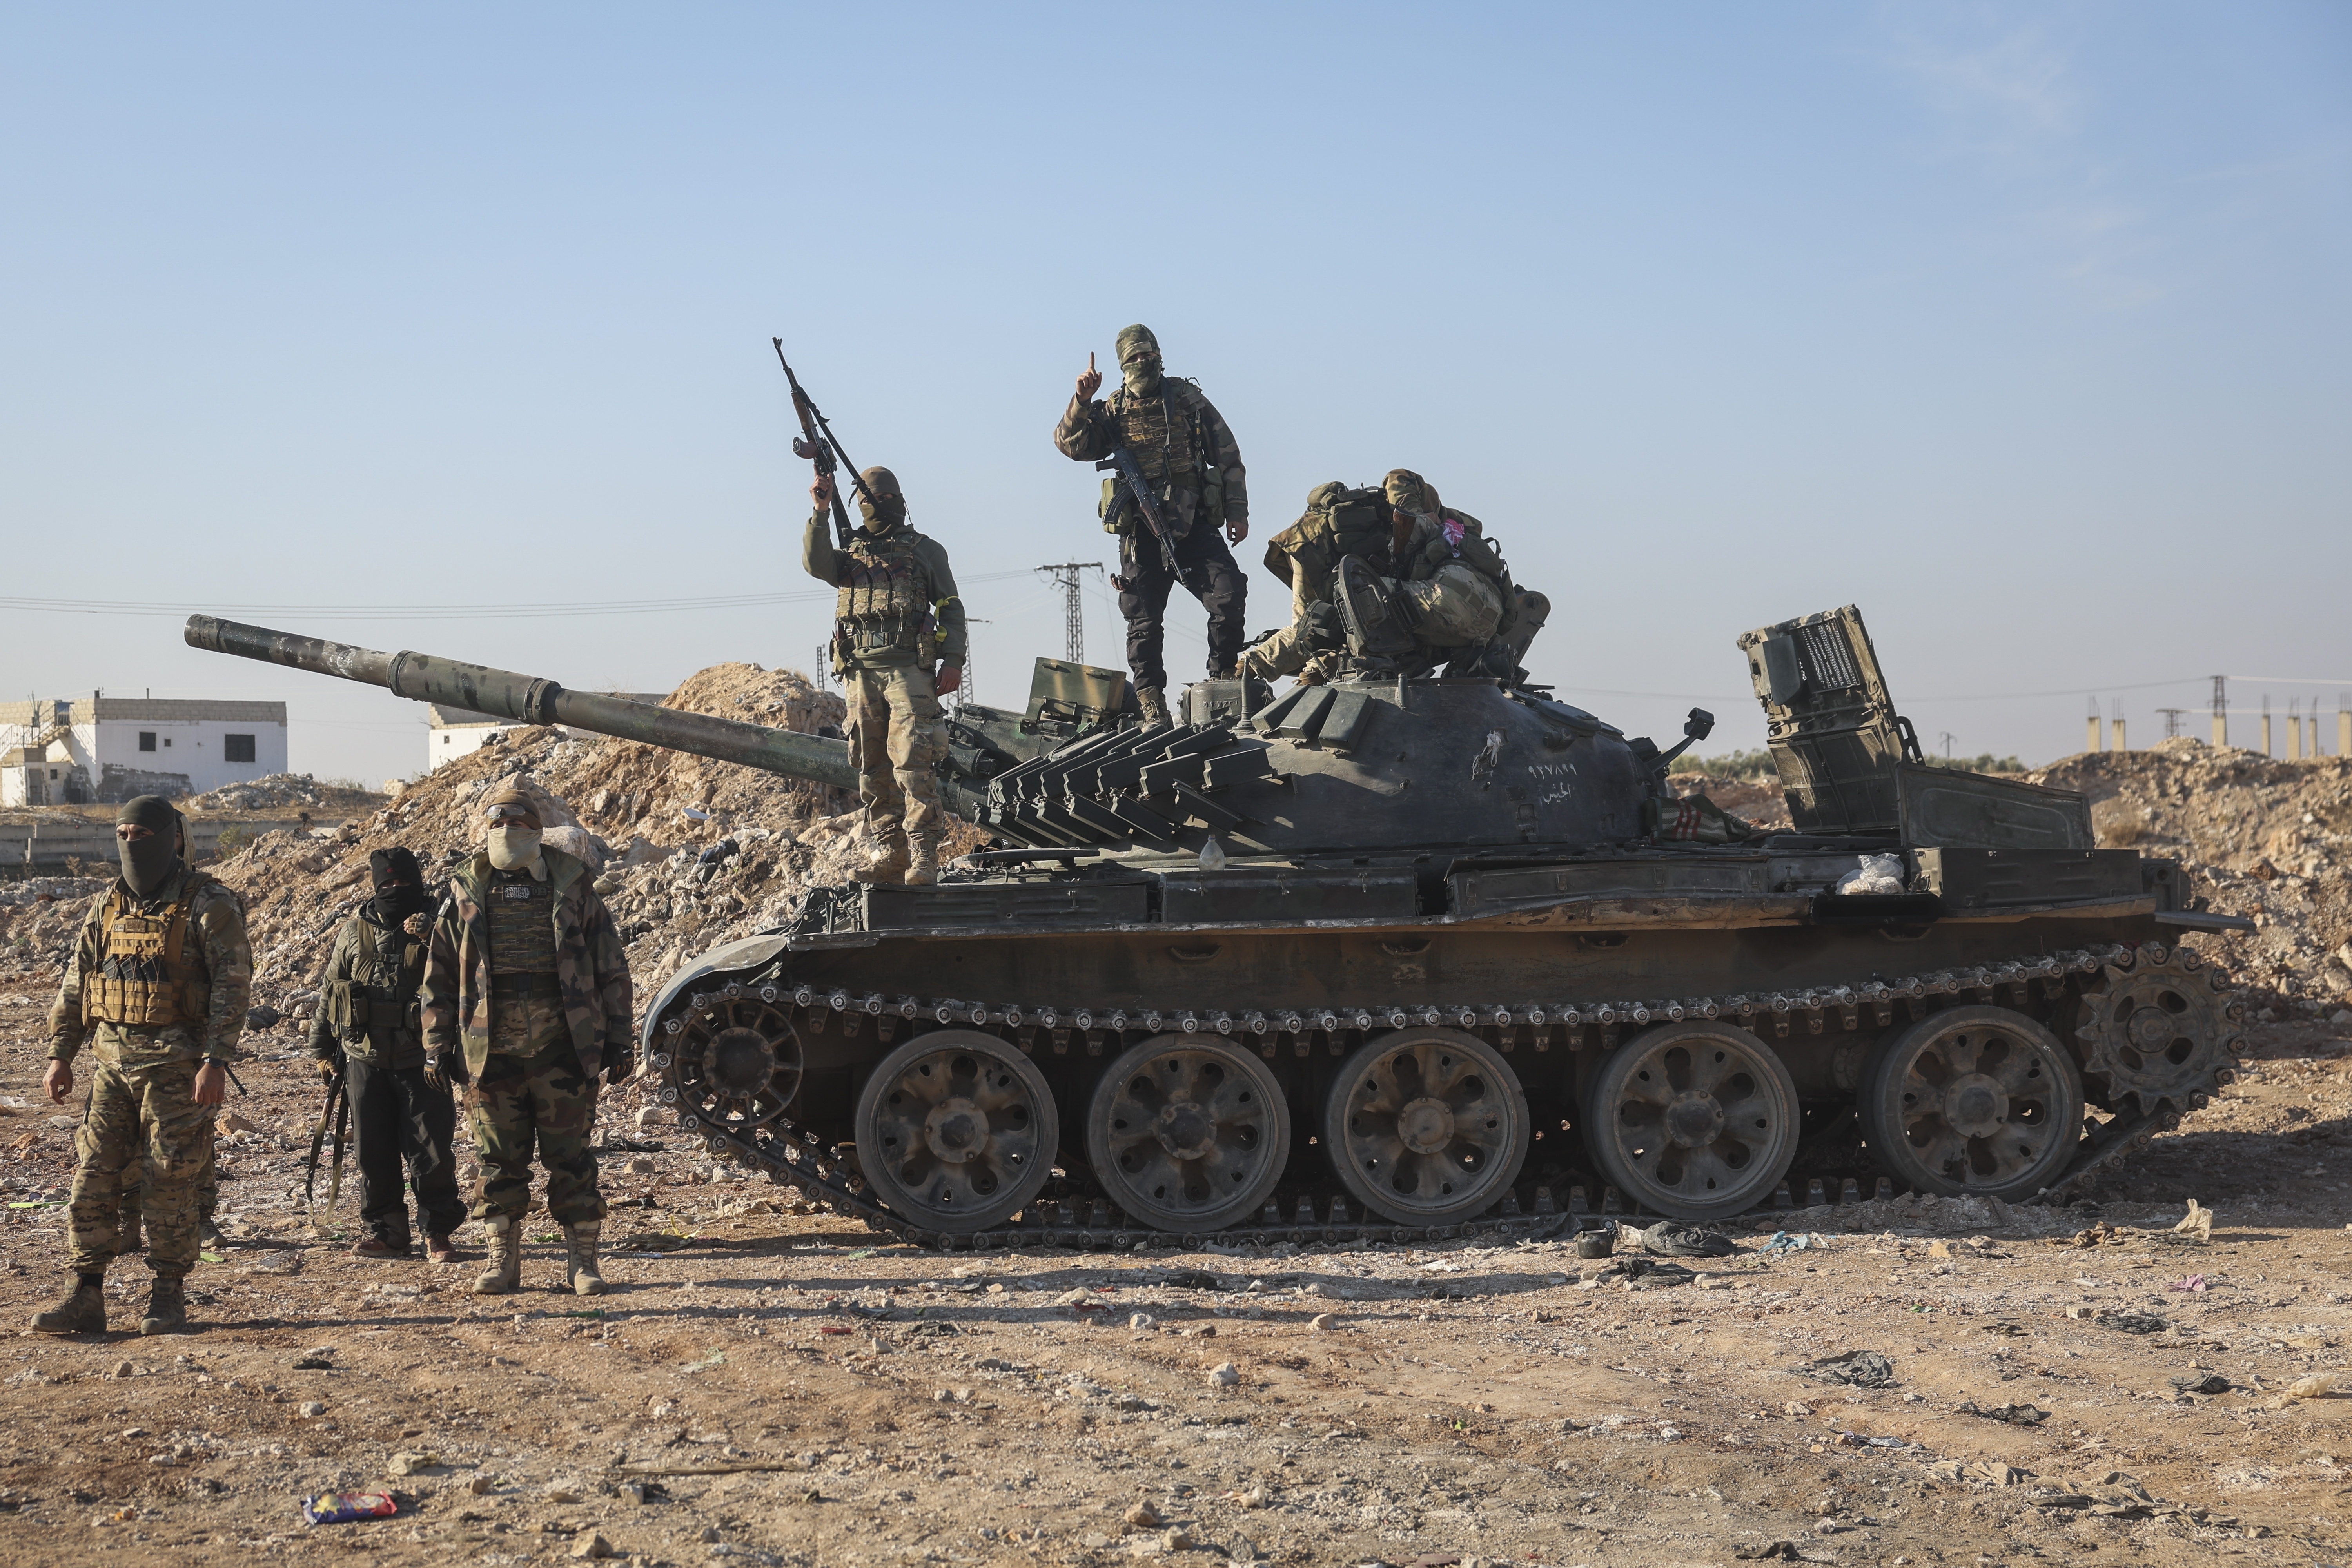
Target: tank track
{"type": "Point", "coordinates": [793, 1156]}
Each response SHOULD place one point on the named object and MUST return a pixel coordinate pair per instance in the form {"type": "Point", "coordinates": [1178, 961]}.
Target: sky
{"type": "Point", "coordinates": [2024, 328]}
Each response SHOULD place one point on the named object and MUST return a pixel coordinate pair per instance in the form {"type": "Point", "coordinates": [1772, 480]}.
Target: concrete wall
{"type": "Point", "coordinates": [43, 843]}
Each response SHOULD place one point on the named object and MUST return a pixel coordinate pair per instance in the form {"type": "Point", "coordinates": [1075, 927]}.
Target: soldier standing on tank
{"type": "Point", "coordinates": [898, 617]}
{"type": "Point", "coordinates": [527, 999]}
{"type": "Point", "coordinates": [369, 1031]}
{"type": "Point", "coordinates": [1190, 459]}
{"type": "Point", "coordinates": [157, 988]}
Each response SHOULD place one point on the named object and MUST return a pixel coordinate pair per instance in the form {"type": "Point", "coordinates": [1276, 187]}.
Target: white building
{"type": "Point", "coordinates": [61, 752]}
{"type": "Point", "coordinates": [457, 732]}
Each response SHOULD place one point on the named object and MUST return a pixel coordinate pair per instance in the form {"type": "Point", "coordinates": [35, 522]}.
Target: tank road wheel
{"type": "Point", "coordinates": [1427, 1126]}
{"type": "Point", "coordinates": [1188, 1132]}
{"type": "Point", "coordinates": [1694, 1121]}
{"type": "Point", "coordinates": [736, 1065]}
{"type": "Point", "coordinates": [956, 1130]}
{"type": "Point", "coordinates": [1973, 1100]}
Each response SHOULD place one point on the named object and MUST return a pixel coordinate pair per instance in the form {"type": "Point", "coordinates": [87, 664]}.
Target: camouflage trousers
{"type": "Point", "coordinates": [143, 1122]}
{"type": "Point", "coordinates": [525, 1096]}
{"type": "Point", "coordinates": [898, 738]}
{"type": "Point", "coordinates": [134, 1187]}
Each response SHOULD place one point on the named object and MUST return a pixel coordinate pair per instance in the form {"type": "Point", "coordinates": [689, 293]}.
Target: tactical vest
{"type": "Point", "coordinates": [522, 926]}
{"type": "Point", "coordinates": [885, 604]}
{"type": "Point", "coordinates": [147, 975]}
{"type": "Point", "coordinates": [378, 1003]}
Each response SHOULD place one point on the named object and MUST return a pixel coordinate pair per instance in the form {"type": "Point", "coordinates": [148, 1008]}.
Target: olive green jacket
{"type": "Point", "coordinates": [591, 966]}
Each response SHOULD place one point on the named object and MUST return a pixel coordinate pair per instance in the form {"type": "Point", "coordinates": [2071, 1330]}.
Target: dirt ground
{"type": "Point", "coordinates": [770, 1387]}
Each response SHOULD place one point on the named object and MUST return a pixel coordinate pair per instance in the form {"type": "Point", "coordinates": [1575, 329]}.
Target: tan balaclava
{"type": "Point", "coordinates": [512, 838]}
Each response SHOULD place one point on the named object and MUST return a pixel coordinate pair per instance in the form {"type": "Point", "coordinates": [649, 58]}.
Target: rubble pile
{"type": "Point", "coordinates": [2262, 837]}
{"type": "Point", "coordinates": [690, 852]}
{"type": "Point", "coordinates": [1757, 802]}
{"type": "Point", "coordinates": [282, 793]}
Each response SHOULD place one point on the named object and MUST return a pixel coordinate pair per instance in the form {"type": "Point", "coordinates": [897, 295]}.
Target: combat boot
{"type": "Point", "coordinates": [167, 1308]}
{"type": "Point", "coordinates": [922, 864]}
{"type": "Point", "coordinates": [580, 1271]}
{"type": "Point", "coordinates": [503, 1236]}
{"type": "Point", "coordinates": [1154, 703]}
{"type": "Point", "coordinates": [209, 1234]}
{"type": "Point", "coordinates": [83, 1313]}
{"type": "Point", "coordinates": [886, 863]}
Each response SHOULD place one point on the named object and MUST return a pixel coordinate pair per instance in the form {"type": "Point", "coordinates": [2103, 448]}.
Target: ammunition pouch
{"type": "Point", "coordinates": [148, 975]}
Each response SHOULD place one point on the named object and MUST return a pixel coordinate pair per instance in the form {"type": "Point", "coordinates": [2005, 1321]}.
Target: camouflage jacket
{"type": "Point", "coordinates": [378, 984]}
{"type": "Point", "coordinates": [216, 924]}
{"type": "Point", "coordinates": [1179, 439]}
{"type": "Point", "coordinates": [590, 964]}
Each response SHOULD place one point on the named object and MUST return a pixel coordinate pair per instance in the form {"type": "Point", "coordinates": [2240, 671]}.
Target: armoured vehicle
{"type": "Point", "coordinates": [1400, 957]}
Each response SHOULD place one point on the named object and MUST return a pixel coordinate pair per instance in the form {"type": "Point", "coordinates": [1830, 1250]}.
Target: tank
{"type": "Point", "coordinates": [1399, 957]}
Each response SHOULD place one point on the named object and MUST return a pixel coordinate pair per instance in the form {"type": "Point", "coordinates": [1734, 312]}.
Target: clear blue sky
{"type": "Point", "coordinates": [2024, 327]}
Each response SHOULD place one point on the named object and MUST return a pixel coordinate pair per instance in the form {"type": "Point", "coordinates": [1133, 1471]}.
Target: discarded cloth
{"type": "Point", "coordinates": [1672, 1239]}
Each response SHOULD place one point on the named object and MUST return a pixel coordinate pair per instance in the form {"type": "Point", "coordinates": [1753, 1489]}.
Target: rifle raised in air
{"type": "Point", "coordinates": [817, 443]}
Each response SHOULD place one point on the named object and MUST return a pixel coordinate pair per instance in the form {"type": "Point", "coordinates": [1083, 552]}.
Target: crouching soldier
{"type": "Point", "coordinates": [157, 988]}
{"type": "Point", "coordinates": [367, 1030]}
{"type": "Point", "coordinates": [527, 1000]}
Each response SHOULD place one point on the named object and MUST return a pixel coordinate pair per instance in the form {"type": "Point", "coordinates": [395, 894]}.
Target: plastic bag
{"type": "Point", "coordinates": [1878, 874]}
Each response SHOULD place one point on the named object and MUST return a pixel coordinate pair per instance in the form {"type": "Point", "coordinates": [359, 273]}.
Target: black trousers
{"type": "Point", "coordinates": [1209, 575]}
{"type": "Point", "coordinates": [397, 1116]}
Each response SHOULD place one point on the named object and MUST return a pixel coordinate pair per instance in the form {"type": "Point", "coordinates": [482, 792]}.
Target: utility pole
{"type": "Point", "coordinates": [2171, 721]}
{"type": "Point", "coordinates": [1947, 738]}
{"type": "Point", "coordinates": [2221, 711]}
{"type": "Point", "coordinates": [822, 674]}
{"type": "Point", "coordinates": [1065, 577]}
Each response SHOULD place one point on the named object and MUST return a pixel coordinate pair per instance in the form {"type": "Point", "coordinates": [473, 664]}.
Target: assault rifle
{"type": "Point", "coordinates": [1134, 491]}
{"type": "Point", "coordinates": [817, 443]}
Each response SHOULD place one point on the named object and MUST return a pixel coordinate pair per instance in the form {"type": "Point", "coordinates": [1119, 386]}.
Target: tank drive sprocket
{"type": "Point", "coordinates": [2161, 1028]}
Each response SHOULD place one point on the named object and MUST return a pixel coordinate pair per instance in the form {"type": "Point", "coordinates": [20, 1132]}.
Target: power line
{"type": "Point", "coordinates": [1067, 576]}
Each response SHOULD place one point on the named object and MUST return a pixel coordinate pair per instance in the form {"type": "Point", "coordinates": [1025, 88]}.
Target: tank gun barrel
{"type": "Point", "coordinates": [529, 699]}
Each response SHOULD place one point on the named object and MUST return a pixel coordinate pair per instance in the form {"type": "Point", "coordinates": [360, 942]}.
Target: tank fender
{"type": "Point", "coordinates": [749, 954]}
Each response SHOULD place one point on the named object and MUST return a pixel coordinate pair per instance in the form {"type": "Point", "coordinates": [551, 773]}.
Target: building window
{"type": "Point", "coordinates": [167, 739]}
{"type": "Point", "coordinates": [237, 748]}
{"type": "Point", "coordinates": [53, 772]}
{"type": "Point", "coordinates": [146, 740]}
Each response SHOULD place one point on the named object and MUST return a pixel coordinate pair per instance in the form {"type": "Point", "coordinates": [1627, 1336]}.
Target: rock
{"type": "Point", "coordinates": [1224, 1374]}
{"type": "Point", "coordinates": [1176, 1539]}
{"type": "Point", "coordinates": [311, 1408]}
{"type": "Point", "coordinates": [231, 1122]}
{"type": "Point", "coordinates": [1141, 1321]}
{"type": "Point", "coordinates": [652, 1116]}
{"type": "Point", "coordinates": [641, 1164]}
{"type": "Point", "coordinates": [262, 1017]}
{"type": "Point", "coordinates": [563, 1497]}
{"type": "Point", "coordinates": [481, 1486]}
{"type": "Point", "coordinates": [594, 1546]}
{"type": "Point", "coordinates": [1143, 1516]}
{"type": "Point", "coordinates": [407, 1462]}
{"type": "Point", "coordinates": [1324, 1323]}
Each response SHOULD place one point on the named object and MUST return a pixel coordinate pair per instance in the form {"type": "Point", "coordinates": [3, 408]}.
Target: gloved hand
{"type": "Point", "coordinates": [620, 1070]}
{"type": "Point", "coordinates": [330, 1069]}
{"type": "Point", "coordinates": [436, 1076]}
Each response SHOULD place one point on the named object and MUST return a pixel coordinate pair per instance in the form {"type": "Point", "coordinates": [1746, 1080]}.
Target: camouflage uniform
{"type": "Point", "coordinates": [526, 975]}
{"type": "Point", "coordinates": [143, 1113]}
{"type": "Point", "coordinates": [1456, 589]}
{"type": "Point", "coordinates": [1194, 466]}
{"type": "Point", "coordinates": [899, 616]}
{"type": "Point", "coordinates": [369, 1016]}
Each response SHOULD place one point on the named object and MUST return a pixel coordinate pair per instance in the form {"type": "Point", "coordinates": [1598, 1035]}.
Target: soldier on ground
{"type": "Point", "coordinates": [157, 988]}
{"type": "Point", "coordinates": [1395, 577]}
{"type": "Point", "coordinates": [369, 1031]}
{"type": "Point", "coordinates": [897, 619]}
{"type": "Point", "coordinates": [526, 1000]}
{"type": "Point", "coordinates": [1194, 467]}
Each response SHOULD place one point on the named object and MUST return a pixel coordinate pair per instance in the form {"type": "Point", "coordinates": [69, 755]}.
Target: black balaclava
{"type": "Point", "coordinates": [148, 863]}
{"type": "Point", "coordinates": [399, 884]}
